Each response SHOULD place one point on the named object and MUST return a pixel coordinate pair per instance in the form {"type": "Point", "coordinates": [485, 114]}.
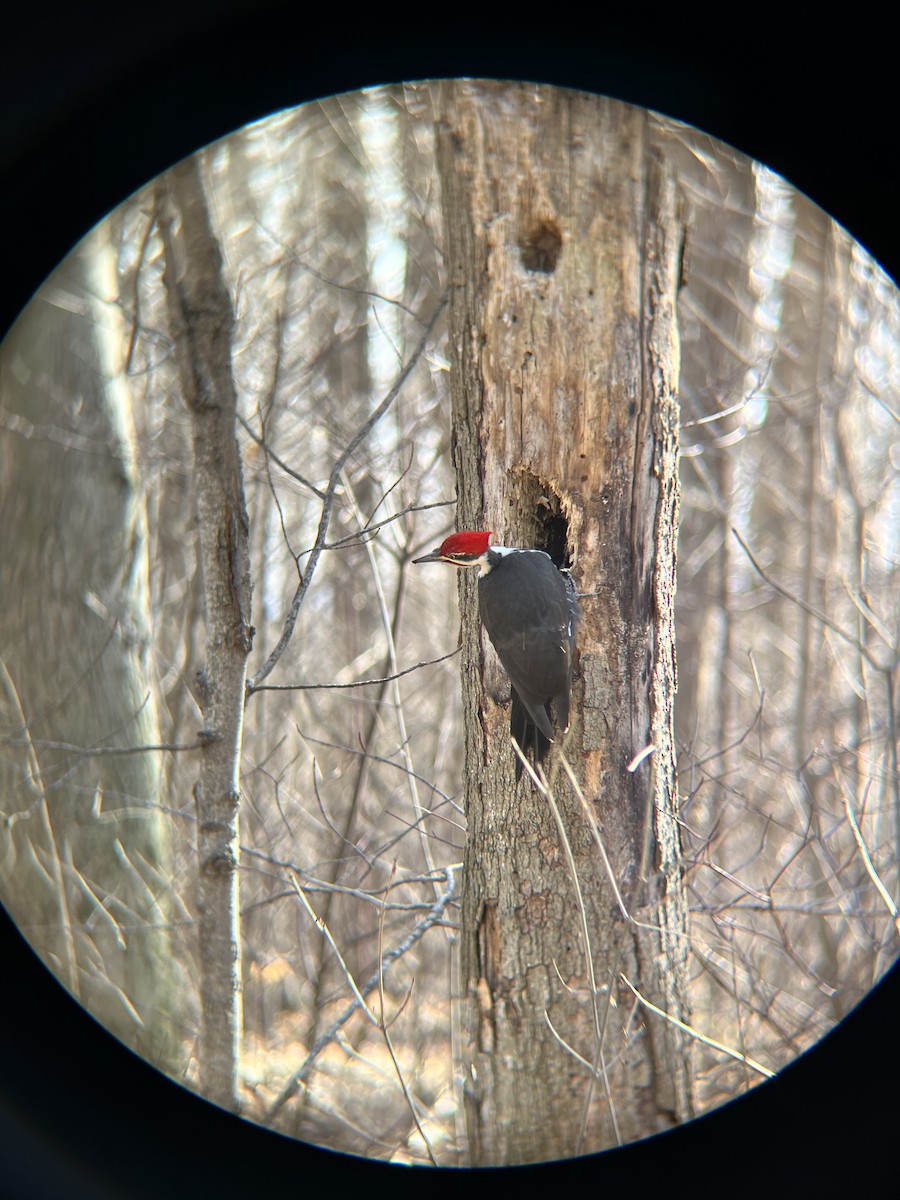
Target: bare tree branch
{"type": "Point", "coordinates": [434, 917]}
{"type": "Point", "coordinates": [314, 687]}
{"type": "Point", "coordinates": [809, 608]}
{"type": "Point", "coordinates": [328, 502]}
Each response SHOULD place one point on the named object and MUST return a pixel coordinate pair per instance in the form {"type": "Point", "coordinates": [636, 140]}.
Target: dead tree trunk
{"type": "Point", "coordinates": [563, 252]}
{"type": "Point", "coordinates": [202, 323]}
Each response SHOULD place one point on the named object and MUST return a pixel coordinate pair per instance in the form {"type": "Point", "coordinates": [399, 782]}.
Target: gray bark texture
{"type": "Point", "coordinates": [563, 248]}
{"type": "Point", "coordinates": [85, 857]}
{"type": "Point", "coordinates": [202, 324]}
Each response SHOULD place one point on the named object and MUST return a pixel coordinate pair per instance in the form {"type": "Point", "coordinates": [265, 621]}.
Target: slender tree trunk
{"type": "Point", "coordinates": [202, 324]}
{"type": "Point", "coordinates": [563, 259]}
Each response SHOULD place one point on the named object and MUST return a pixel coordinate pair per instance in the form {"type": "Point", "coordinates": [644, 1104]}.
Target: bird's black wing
{"type": "Point", "coordinates": [525, 609]}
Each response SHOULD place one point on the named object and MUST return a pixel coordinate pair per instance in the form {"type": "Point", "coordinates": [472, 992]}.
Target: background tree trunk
{"type": "Point", "coordinates": [85, 856]}
{"type": "Point", "coordinates": [563, 260]}
{"type": "Point", "coordinates": [202, 326]}
{"type": "Point", "coordinates": [715, 383]}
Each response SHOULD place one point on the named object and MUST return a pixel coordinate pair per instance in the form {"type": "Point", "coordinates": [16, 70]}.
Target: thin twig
{"type": "Point", "coordinates": [106, 751]}
{"type": "Point", "coordinates": [599, 1022]}
{"type": "Point", "coordinates": [306, 687]}
{"type": "Point", "coordinates": [540, 782]}
{"type": "Point", "coordinates": [701, 1037]}
{"type": "Point", "coordinates": [869, 865]}
{"type": "Point", "coordinates": [35, 783]}
{"type": "Point", "coordinates": [348, 974]}
{"type": "Point", "coordinates": [810, 609]}
{"type": "Point", "coordinates": [368, 531]}
{"type": "Point", "coordinates": [598, 838]}
{"type": "Point", "coordinates": [386, 1033]}
{"type": "Point", "coordinates": [136, 290]}
{"type": "Point", "coordinates": [328, 502]}
{"type": "Point", "coordinates": [388, 762]}
{"type": "Point", "coordinates": [333, 283]}
{"type": "Point", "coordinates": [279, 462]}
{"type": "Point", "coordinates": [388, 626]}
{"type": "Point", "coordinates": [434, 916]}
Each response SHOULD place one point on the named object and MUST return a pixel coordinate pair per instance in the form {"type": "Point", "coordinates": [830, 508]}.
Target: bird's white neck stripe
{"type": "Point", "coordinates": [490, 556]}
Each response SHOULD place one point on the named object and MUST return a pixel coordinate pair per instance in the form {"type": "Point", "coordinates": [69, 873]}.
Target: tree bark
{"type": "Point", "coordinates": [202, 325]}
{"type": "Point", "coordinates": [563, 251]}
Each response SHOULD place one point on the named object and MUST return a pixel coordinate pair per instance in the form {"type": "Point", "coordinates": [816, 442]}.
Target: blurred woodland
{"type": "Point", "coordinates": [351, 823]}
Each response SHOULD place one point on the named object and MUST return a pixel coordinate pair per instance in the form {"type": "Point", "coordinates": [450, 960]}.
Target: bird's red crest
{"type": "Point", "coordinates": [466, 542]}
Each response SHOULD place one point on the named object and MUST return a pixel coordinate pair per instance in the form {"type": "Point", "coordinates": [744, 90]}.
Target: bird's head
{"type": "Point", "coordinates": [465, 549]}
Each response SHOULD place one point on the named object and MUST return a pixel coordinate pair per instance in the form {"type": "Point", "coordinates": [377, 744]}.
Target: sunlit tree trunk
{"type": "Point", "coordinates": [85, 856]}
{"type": "Point", "coordinates": [563, 247]}
{"type": "Point", "coordinates": [202, 325]}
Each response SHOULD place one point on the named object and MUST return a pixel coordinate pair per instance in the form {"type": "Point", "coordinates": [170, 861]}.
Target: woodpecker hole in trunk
{"type": "Point", "coordinates": [540, 247]}
{"type": "Point", "coordinates": [539, 516]}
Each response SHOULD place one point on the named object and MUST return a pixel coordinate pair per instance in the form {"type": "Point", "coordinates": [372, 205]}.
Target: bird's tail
{"type": "Point", "coordinates": [526, 733]}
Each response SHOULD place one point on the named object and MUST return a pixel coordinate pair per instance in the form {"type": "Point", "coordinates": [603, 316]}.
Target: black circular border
{"type": "Point", "coordinates": [95, 102]}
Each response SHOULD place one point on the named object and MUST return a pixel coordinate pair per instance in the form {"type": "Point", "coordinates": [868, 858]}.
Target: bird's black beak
{"type": "Point", "coordinates": [434, 556]}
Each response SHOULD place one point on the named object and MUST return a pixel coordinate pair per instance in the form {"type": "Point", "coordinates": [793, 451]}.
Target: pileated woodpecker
{"type": "Point", "coordinates": [529, 610]}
